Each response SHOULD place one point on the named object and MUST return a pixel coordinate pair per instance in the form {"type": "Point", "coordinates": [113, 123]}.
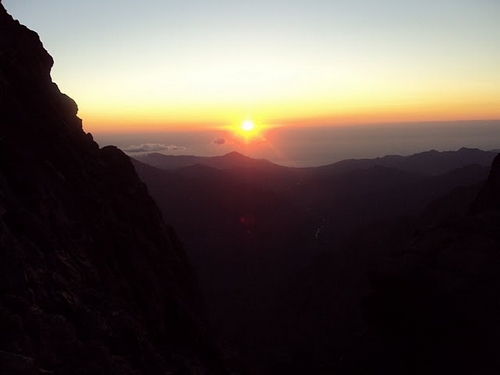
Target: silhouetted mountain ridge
{"type": "Point", "coordinates": [227, 161]}
{"type": "Point", "coordinates": [426, 163]}
{"type": "Point", "coordinates": [429, 163]}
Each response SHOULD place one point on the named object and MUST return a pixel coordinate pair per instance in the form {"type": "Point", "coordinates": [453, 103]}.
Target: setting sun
{"type": "Point", "coordinates": [247, 125]}
{"type": "Point", "coordinates": [248, 132]}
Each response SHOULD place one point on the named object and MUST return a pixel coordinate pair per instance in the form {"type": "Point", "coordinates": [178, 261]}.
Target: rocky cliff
{"type": "Point", "coordinates": [435, 303]}
{"type": "Point", "coordinates": [489, 197]}
{"type": "Point", "coordinates": [91, 279]}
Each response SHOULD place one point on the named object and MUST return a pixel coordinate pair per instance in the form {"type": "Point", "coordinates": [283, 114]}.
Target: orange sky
{"type": "Point", "coordinates": [295, 114]}
{"type": "Point", "coordinates": [156, 65]}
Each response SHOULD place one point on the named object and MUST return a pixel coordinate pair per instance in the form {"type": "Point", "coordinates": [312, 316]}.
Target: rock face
{"type": "Point", "coordinates": [91, 279]}
{"type": "Point", "coordinates": [489, 197]}
{"type": "Point", "coordinates": [435, 304]}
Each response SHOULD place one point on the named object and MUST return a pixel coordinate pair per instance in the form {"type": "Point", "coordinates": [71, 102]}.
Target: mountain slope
{"type": "Point", "coordinates": [91, 279]}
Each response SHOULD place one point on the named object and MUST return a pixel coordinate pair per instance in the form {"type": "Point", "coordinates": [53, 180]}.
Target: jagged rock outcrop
{"type": "Point", "coordinates": [435, 304]}
{"type": "Point", "coordinates": [489, 197]}
{"type": "Point", "coordinates": [91, 279]}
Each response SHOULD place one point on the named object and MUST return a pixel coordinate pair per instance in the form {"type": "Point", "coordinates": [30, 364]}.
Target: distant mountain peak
{"type": "Point", "coordinates": [236, 154]}
{"type": "Point", "coordinates": [230, 160]}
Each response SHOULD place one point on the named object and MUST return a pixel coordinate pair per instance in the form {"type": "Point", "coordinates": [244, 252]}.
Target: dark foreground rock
{"type": "Point", "coordinates": [435, 305]}
{"type": "Point", "coordinates": [91, 279]}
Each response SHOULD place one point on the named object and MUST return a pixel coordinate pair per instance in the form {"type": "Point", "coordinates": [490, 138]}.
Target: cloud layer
{"type": "Point", "coordinates": [151, 147]}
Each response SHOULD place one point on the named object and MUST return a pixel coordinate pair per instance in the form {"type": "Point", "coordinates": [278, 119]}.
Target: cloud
{"type": "Point", "coordinates": [219, 141]}
{"type": "Point", "coordinates": [151, 147]}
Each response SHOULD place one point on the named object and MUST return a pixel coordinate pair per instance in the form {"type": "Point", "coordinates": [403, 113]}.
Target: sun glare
{"type": "Point", "coordinates": [247, 126]}
{"type": "Point", "coordinates": [248, 131]}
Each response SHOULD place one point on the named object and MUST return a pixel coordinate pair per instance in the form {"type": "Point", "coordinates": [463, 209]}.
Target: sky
{"type": "Point", "coordinates": [169, 66]}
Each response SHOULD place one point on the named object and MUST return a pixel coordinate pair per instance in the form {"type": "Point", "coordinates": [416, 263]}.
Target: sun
{"type": "Point", "coordinates": [248, 132]}
{"type": "Point", "coordinates": [247, 126]}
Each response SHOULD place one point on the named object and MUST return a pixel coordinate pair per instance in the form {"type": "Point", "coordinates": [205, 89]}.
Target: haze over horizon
{"type": "Point", "coordinates": [172, 66]}
{"type": "Point", "coordinates": [315, 146]}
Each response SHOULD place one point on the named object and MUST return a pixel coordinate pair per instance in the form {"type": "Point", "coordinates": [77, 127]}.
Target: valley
{"type": "Point", "coordinates": [283, 255]}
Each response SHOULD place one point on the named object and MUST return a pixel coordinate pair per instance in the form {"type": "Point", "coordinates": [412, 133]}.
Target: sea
{"type": "Point", "coordinates": [308, 146]}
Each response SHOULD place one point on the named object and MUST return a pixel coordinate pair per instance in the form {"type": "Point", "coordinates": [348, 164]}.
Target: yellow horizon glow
{"type": "Point", "coordinates": [186, 66]}
{"type": "Point", "coordinates": [295, 114]}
